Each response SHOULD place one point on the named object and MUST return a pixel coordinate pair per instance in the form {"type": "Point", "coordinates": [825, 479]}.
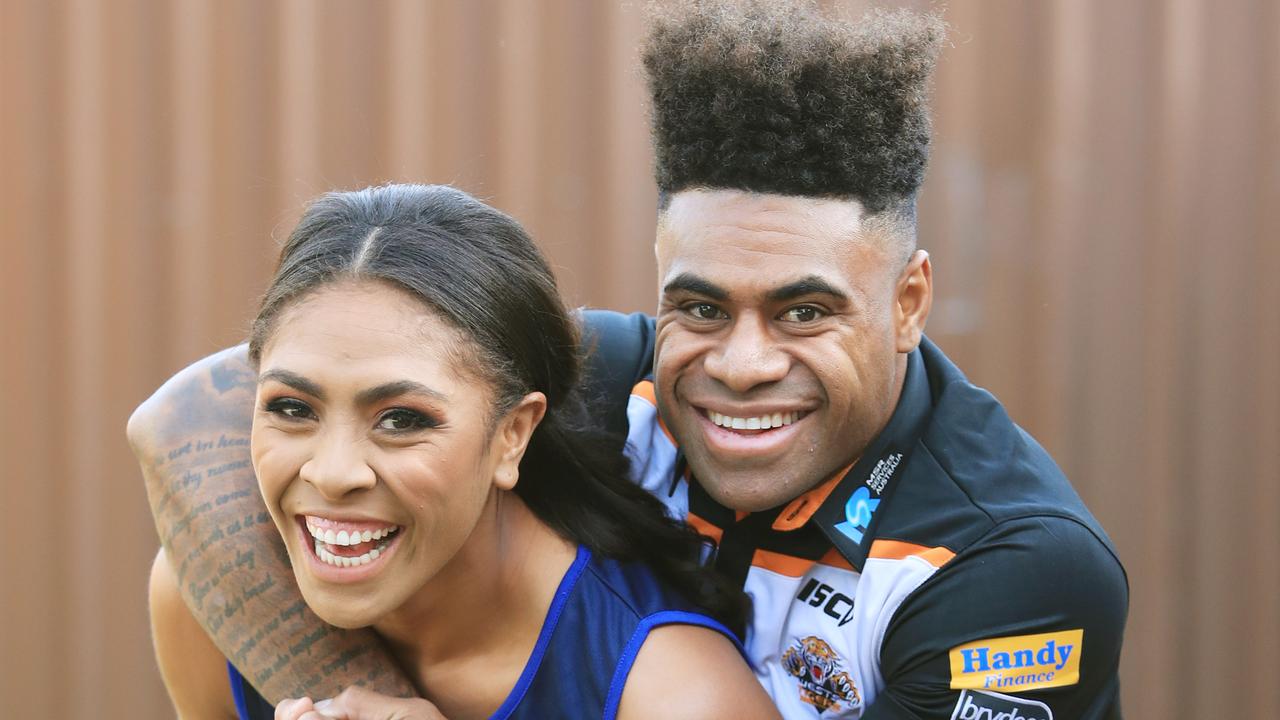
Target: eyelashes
{"type": "Point", "coordinates": [703, 311]}
{"type": "Point", "coordinates": [289, 409]}
{"type": "Point", "coordinates": [405, 420]}
{"type": "Point", "coordinates": [397, 421]}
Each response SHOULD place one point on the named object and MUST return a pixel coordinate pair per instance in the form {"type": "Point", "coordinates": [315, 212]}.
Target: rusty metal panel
{"type": "Point", "coordinates": [1101, 209]}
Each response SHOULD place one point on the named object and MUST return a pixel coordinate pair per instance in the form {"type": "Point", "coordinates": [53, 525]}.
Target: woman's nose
{"type": "Point", "coordinates": [338, 468]}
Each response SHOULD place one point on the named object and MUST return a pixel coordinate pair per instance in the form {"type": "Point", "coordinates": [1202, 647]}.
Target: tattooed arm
{"type": "Point", "coordinates": [192, 440]}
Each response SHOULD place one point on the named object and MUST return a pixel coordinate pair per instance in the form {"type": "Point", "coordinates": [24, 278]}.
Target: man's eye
{"type": "Point", "coordinates": [290, 409]}
{"type": "Point", "coordinates": [802, 314]}
{"type": "Point", "coordinates": [402, 420]}
{"type": "Point", "coordinates": [704, 311]}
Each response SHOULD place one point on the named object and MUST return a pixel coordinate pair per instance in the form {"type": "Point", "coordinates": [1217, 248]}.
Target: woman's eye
{"type": "Point", "coordinates": [704, 311]}
{"type": "Point", "coordinates": [401, 420]}
{"type": "Point", "coordinates": [291, 409]}
{"type": "Point", "coordinates": [802, 314]}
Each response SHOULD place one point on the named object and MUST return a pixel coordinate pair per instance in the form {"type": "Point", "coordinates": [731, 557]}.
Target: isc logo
{"type": "Point", "coordinates": [836, 605]}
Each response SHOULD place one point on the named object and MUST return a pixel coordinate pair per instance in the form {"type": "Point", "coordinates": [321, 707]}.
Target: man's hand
{"type": "Point", "coordinates": [357, 703]}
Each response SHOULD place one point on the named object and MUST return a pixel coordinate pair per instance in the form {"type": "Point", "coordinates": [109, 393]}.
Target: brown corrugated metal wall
{"type": "Point", "coordinates": [1103, 209]}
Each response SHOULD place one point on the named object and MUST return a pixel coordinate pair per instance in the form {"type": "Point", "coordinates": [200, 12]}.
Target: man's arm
{"type": "Point", "coordinates": [192, 440]}
{"type": "Point", "coordinates": [194, 671]}
{"type": "Point", "coordinates": [1030, 620]}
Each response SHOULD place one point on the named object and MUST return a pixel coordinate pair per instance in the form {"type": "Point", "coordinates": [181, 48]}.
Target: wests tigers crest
{"type": "Point", "coordinates": [823, 682]}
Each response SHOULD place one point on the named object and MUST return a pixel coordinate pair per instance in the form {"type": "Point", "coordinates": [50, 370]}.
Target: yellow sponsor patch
{"type": "Point", "coordinates": [1021, 662]}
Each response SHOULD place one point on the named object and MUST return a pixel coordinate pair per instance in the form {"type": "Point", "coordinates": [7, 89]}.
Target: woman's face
{"type": "Point", "coordinates": [374, 452]}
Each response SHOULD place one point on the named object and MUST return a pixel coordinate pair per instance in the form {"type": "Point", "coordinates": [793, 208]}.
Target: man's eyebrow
{"type": "Point", "coordinates": [293, 380]}
{"type": "Point", "coordinates": [688, 282]}
{"type": "Point", "coordinates": [396, 388]}
{"type": "Point", "coordinates": [810, 285]}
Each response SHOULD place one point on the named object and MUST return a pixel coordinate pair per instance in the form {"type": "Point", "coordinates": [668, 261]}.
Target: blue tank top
{"type": "Point", "coordinates": [601, 614]}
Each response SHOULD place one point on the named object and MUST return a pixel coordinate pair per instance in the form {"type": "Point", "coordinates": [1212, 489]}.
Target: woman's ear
{"type": "Point", "coordinates": [512, 438]}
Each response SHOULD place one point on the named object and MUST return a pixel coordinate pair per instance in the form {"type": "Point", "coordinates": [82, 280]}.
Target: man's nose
{"type": "Point", "coordinates": [338, 467]}
{"type": "Point", "coordinates": [748, 356]}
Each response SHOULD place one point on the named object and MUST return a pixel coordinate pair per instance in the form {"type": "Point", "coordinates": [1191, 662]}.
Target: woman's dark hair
{"type": "Point", "coordinates": [477, 269]}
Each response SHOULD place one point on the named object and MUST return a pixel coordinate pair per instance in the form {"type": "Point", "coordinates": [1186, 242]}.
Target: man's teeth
{"type": "Point", "coordinates": [763, 422]}
{"type": "Point", "coordinates": [342, 537]}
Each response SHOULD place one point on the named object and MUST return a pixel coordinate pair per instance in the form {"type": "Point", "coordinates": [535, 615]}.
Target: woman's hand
{"type": "Point", "coordinates": [357, 703]}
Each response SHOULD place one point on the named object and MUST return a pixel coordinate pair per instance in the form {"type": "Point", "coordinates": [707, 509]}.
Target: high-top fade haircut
{"type": "Point", "coordinates": [770, 96]}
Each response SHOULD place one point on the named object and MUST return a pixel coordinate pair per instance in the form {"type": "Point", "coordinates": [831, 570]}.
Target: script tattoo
{"type": "Point", "coordinates": [192, 439]}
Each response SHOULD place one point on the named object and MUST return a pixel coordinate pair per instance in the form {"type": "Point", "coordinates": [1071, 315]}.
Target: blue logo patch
{"type": "Point", "coordinates": [858, 511]}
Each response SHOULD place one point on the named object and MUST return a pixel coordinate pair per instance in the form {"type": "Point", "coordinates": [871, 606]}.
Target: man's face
{"type": "Point", "coordinates": [781, 331]}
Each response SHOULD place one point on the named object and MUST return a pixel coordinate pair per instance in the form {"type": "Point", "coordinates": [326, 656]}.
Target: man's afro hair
{"type": "Point", "coordinates": [769, 96]}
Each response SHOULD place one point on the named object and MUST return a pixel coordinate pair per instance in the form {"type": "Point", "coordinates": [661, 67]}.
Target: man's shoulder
{"type": "Point", "coordinates": [1021, 566]}
{"type": "Point", "coordinates": [618, 353]}
{"type": "Point", "coordinates": [617, 345]}
{"type": "Point", "coordinates": [974, 469]}
{"type": "Point", "coordinates": [990, 617]}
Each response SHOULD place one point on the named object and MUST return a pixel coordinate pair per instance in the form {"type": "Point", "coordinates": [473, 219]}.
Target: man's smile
{"type": "Point", "coordinates": [765, 421]}
{"type": "Point", "coordinates": [754, 435]}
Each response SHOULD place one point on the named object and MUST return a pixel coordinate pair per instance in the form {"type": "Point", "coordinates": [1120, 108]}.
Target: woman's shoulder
{"type": "Point", "coordinates": [677, 661]}
{"type": "Point", "coordinates": [193, 669]}
{"type": "Point", "coordinates": [692, 671]}
{"type": "Point", "coordinates": [632, 586]}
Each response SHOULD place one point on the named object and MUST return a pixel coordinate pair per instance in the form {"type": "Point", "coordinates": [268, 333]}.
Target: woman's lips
{"type": "Point", "coordinates": [346, 550]}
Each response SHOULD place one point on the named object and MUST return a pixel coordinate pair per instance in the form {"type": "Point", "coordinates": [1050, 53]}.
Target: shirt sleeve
{"type": "Point", "coordinates": [619, 354]}
{"type": "Point", "coordinates": [1028, 619]}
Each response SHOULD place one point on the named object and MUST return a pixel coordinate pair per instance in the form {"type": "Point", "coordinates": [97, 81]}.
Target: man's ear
{"type": "Point", "coordinates": [913, 298]}
{"type": "Point", "coordinates": [512, 438]}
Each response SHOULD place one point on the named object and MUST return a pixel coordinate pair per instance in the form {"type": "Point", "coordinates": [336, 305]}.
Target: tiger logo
{"type": "Point", "coordinates": [819, 670]}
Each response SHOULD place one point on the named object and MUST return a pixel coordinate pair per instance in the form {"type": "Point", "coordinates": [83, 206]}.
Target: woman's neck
{"type": "Point", "coordinates": [485, 607]}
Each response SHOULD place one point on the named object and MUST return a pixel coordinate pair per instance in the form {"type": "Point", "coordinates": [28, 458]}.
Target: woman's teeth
{"type": "Point", "coordinates": [763, 422]}
{"type": "Point", "coordinates": [355, 537]}
{"type": "Point", "coordinates": [343, 561]}
{"type": "Point", "coordinates": [327, 541]}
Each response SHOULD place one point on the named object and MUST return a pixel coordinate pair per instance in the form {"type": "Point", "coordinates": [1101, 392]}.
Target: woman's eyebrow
{"type": "Point", "coordinates": [293, 380]}
{"type": "Point", "coordinates": [398, 387]}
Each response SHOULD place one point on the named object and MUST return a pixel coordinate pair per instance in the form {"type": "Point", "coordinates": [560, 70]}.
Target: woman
{"type": "Point", "coordinates": [421, 448]}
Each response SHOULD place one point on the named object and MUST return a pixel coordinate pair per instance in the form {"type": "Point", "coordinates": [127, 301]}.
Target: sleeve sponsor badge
{"type": "Point", "coordinates": [1021, 662]}
{"type": "Point", "coordinates": [982, 705]}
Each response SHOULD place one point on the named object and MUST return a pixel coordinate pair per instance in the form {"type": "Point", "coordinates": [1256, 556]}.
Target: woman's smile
{"type": "Point", "coordinates": [346, 551]}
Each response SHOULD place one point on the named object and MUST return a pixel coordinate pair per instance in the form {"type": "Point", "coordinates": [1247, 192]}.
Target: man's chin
{"type": "Point", "coordinates": [751, 491]}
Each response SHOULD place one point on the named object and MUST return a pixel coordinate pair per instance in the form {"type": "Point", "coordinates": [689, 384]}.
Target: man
{"type": "Point", "coordinates": [910, 552]}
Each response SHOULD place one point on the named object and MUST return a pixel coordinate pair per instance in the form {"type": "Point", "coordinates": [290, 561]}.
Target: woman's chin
{"type": "Point", "coordinates": [341, 613]}
{"type": "Point", "coordinates": [345, 622]}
